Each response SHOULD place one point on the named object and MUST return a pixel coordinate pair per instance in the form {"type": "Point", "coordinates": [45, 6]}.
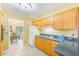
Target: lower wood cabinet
{"type": "Point", "coordinates": [46, 46]}
{"type": "Point", "coordinates": [52, 45]}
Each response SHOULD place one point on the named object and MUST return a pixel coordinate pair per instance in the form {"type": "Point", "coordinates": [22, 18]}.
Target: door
{"type": "Point", "coordinates": [16, 32]}
{"type": "Point", "coordinates": [33, 31]}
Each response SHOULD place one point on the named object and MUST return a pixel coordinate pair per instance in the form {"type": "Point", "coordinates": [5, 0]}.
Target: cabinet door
{"type": "Point", "coordinates": [44, 22]}
{"type": "Point", "coordinates": [53, 44]}
{"type": "Point", "coordinates": [37, 41]}
{"type": "Point", "coordinates": [58, 21]}
{"type": "Point", "coordinates": [40, 22]}
{"type": "Point", "coordinates": [47, 47]}
{"type": "Point", "coordinates": [70, 18]}
{"type": "Point", "coordinates": [40, 43]}
{"type": "Point", "coordinates": [50, 21]}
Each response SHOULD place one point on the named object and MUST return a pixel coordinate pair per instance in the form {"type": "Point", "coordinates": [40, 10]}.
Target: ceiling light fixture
{"type": "Point", "coordinates": [25, 5]}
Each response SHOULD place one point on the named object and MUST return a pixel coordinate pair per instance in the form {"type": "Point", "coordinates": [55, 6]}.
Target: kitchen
{"type": "Point", "coordinates": [49, 29]}
{"type": "Point", "coordinates": [58, 33]}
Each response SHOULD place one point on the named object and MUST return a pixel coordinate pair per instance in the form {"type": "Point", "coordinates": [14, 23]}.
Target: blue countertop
{"type": "Point", "coordinates": [65, 50]}
{"type": "Point", "coordinates": [59, 37]}
{"type": "Point", "coordinates": [67, 45]}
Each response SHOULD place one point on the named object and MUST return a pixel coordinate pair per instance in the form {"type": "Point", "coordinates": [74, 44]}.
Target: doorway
{"type": "Point", "coordinates": [15, 31]}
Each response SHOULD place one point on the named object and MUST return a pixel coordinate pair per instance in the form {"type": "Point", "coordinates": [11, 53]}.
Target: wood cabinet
{"type": "Point", "coordinates": [43, 22]}
{"type": "Point", "coordinates": [66, 20]}
{"type": "Point", "coordinates": [40, 22]}
{"type": "Point", "coordinates": [58, 21]}
{"type": "Point", "coordinates": [39, 43]}
{"type": "Point", "coordinates": [70, 18]}
{"type": "Point", "coordinates": [46, 46]}
{"type": "Point", "coordinates": [53, 44]}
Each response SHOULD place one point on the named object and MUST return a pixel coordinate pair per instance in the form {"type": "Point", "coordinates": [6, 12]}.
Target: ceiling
{"type": "Point", "coordinates": [37, 10]}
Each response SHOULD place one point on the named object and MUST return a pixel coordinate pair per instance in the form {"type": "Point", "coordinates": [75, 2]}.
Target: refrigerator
{"type": "Point", "coordinates": [33, 31]}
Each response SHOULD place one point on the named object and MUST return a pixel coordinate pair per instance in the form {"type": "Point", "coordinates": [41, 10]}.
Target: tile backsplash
{"type": "Point", "coordinates": [50, 30]}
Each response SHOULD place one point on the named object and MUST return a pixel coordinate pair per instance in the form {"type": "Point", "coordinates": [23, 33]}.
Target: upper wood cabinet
{"type": "Point", "coordinates": [66, 20]}
{"type": "Point", "coordinates": [43, 22]}
{"type": "Point", "coordinates": [58, 21]}
{"type": "Point", "coordinates": [70, 18]}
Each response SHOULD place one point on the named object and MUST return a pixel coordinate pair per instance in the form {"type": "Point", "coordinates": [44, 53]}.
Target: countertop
{"type": "Point", "coordinates": [52, 37]}
{"type": "Point", "coordinates": [63, 49]}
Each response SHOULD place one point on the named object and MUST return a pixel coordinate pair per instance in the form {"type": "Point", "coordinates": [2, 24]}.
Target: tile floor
{"type": "Point", "coordinates": [18, 49]}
